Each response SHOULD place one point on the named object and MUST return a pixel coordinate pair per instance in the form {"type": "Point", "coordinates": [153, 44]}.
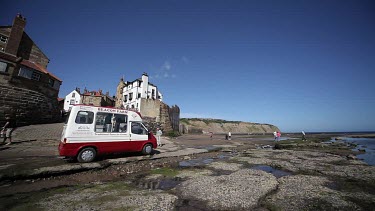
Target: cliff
{"type": "Point", "coordinates": [222, 126]}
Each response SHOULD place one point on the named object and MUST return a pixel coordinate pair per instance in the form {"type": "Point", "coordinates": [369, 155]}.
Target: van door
{"type": "Point", "coordinates": [138, 132]}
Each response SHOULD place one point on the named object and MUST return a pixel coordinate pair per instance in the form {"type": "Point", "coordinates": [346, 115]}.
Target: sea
{"type": "Point", "coordinates": [366, 144]}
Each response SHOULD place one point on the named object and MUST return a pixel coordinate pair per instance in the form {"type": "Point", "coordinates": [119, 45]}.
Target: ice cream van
{"type": "Point", "coordinates": [90, 131]}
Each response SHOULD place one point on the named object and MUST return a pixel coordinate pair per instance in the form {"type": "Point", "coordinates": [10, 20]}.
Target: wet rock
{"type": "Point", "coordinates": [362, 150]}
{"type": "Point", "coordinates": [193, 173]}
{"type": "Point", "coordinates": [351, 157]}
{"type": "Point", "coordinates": [226, 166]}
{"type": "Point", "coordinates": [65, 168]}
{"type": "Point", "coordinates": [109, 197]}
{"type": "Point", "coordinates": [187, 158]}
{"type": "Point", "coordinates": [239, 190]}
{"type": "Point", "coordinates": [302, 192]}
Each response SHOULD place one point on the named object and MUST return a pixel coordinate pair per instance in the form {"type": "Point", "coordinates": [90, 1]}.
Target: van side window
{"type": "Point", "coordinates": [111, 123]}
{"type": "Point", "coordinates": [84, 117]}
{"type": "Point", "coordinates": [137, 128]}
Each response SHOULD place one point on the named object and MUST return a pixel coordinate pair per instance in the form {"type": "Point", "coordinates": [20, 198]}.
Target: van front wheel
{"type": "Point", "coordinates": [147, 149]}
{"type": "Point", "coordinates": [86, 155]}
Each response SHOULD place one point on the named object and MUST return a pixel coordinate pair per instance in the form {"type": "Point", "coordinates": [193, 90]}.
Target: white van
{"type": "Point", "coordinates": [90, 131]}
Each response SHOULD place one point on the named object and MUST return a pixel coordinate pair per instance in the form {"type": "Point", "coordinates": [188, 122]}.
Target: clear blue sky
{"type": "Point", "coordinates": [301, 65]}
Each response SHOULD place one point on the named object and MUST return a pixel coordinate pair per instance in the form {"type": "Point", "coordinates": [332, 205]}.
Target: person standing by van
{"type": "Point", "coordinates": [275, 135]}
{"type": "Point", "coordinates": [8, 129]}
{"type": "Point", "coordinates": [278, 135]}
{"type": "Point", "coordinates": [229, 136]}
{"type": "Point", "coordinates": [158, 136]}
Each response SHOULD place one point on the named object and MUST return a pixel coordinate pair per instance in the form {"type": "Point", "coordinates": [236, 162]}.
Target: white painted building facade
{"type": "Point", "coordinates": [71, 99]}
{"type": "Point", "coordinates": [134, 91]}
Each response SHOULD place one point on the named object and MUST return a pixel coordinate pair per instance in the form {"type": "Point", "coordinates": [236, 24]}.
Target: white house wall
{"type": "Point", "coordinates": [145, 91]}
{"type": "Point", "coordinates": [75, 100]}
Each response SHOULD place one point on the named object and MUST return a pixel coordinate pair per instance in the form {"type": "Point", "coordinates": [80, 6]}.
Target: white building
{"type": "Point", "coordinates": [134, 91]}
{"type": "Point", "coordinates": [71, 99]}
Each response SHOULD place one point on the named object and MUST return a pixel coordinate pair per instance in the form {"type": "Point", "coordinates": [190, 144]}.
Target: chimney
{"type": "Point", "coordinates": [15, 36]}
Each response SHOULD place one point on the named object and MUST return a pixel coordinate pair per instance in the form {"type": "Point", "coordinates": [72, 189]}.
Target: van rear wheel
{"type": "Point", "coordinates": [147, 149]}
{"type": "Point", "coordinates": [86, 155]}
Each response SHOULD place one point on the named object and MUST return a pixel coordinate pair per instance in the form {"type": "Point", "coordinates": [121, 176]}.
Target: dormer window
{"type": "Point", "coordinates": [3, 67]}
{"type": "Point", "coordinates": [3, 39]}
{"type": "Point", "coordinates": [35, 76]}
{"type": "Point", "coordinates": [51, 82]}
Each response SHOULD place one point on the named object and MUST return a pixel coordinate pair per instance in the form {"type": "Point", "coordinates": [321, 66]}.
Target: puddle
{"type": "Point", "coordinates": [164, 184]}
{"type": "Point", "coordinates": [196, 162]}
{"type": "Point", "coordinates": [225, 156]}
{"type": "Point", "coordinates": [212, 148]}
{"type": "Point", "coordinates": [277, 173]}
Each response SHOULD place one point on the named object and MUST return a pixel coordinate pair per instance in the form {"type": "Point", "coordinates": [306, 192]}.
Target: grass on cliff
{"type": "Point", "coordinates": [207, 121]}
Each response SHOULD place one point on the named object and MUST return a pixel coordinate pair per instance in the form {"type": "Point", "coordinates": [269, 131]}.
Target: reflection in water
{"type": "Point", "coordinates": [277, 173]}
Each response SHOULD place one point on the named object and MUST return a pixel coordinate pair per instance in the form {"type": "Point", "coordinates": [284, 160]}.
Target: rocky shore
{"type": "Point", "coordinates": [236, 175]}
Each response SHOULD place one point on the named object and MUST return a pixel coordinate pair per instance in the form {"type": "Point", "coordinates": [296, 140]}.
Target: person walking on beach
{"type": "Point", "coordinates": [158, 136]}
{"type": "Point", "coordinates": [275, 135]}
{"type": "Point", "coordinates": [8, 129]}
{"type": "Point", "coordinates": [229, 136]}
{"type": "Point", "coordinates": [303, 136]}
{"type": "Point", "coordinates": [278, 135]}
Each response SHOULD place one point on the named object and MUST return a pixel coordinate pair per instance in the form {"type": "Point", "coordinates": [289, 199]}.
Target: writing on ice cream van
{"type": "Point", "coordinates": [90, 131]}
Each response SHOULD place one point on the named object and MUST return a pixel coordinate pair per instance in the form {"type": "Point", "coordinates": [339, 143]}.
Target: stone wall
{"type": "Point", "coordinates": [27, 106]}
{"type": "Point", "coordinates": [30, 51]}
{"type": "Point", "coordinates": [91, 100]}
{"type": "Point", "coordinates": [168, 119]}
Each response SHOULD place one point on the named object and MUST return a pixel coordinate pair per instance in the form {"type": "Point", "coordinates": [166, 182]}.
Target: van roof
{"type": "Point", "coordinates": [140, 115]}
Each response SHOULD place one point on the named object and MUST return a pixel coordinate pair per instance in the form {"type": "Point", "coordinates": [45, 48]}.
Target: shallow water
{"type": "Point", "coordinates": [367, 144]}
{"type": "Point", "coordinates": [196, 162]}
{"type": "Point", "coordinates": [276, 172]}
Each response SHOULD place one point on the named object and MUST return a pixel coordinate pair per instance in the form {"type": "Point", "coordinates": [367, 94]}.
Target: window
{"type": "Point", "coordinates": [125, 98]}
{"type": "Point", "coordinates": [139, 95]}
{"type": "Point", "coordinates": [111, 123]}
{"type": "Point", "coordinates": [130, 96]}
{"type": "Point", "coordinates": [51, 82]}
{"type": "Point", "coordinates": [139, 83]}
{"type": "Point", "coordinates": [74, 94]}
{"type": "Point", "coordinates": [85, 117]}
{"type": "Point", "coordinates": [90, 101]}
{"type": "Point", "coordinates": [138, 128]}
{"type": "Point", "coordinates": [72, 102]}
{"type": "Point", "coordinates": [25, 72]}
{"type": "Point", "coordinates": [3, 67]}
{"type": "Point", "coordinates": [3, 39]}
{"type": "Point", "coordinates": [35, 76]}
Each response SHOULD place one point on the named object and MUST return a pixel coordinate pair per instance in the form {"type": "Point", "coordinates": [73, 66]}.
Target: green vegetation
{"type": "Point", "coordinates": [173, 134]}
{"type": "Point", "coordinates": [207, 121]}
{"type": "Point", "coordinates": [184, 121]}
{"type": "Point", "coordinates": [168, 172]}
{"type": "Point", "coordinates": [113, 186]}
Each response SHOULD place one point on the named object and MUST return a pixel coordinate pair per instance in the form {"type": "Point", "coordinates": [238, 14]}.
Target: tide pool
{"type": "Point", "coordinates": [367, 144]}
